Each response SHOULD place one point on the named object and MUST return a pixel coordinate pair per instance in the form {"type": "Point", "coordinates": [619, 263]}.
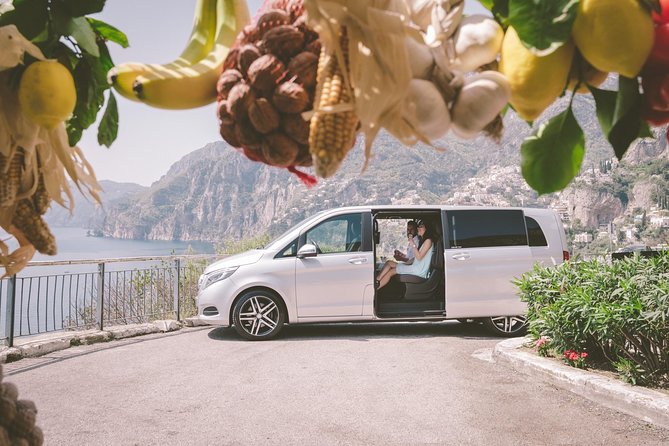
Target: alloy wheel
{"type": "Point", "coordinates": [507, 325]}
{"type": "Point", "coordinates": [258, 316]}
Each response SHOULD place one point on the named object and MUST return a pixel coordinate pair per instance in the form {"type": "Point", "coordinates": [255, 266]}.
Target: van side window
{"type": "Point", "coordinates": [534, 233]}
{"type": "Point", "coordinates": [484, 228]}
{"type": "Point", "coordinates": [342, 233]}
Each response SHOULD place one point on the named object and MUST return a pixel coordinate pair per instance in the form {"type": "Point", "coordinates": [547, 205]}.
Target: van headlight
{"type": "Point", "coordinates": [216, 276]}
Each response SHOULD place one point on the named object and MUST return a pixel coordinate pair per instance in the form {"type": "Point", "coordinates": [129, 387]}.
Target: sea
{"type": "Point", "coordinates": [75, 244]}
{"type": "Point", "coordinates": [44, 292]}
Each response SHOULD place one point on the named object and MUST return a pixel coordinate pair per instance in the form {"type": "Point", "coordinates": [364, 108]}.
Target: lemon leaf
{"type": "Point", "coordinates": [619, 114]}
{"type": "Point", "coordinates": [108, 128]}
{"type": "Point", "coordinates": [552, 156]}
{"type": "Point", "coordinates": [82, 31]}
{"type": "Point", "coordinates": [499, 9]}
{"type": "Point", "coordinates": [109, 32]}
{"type": "Point", "coordinates": [29, 16]}
{"type": "Point", "coordinates": [543, 25]}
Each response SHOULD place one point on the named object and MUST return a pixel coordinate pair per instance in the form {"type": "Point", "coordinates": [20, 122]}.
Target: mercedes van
{"type": "Point", "coordinates": [324, 270]}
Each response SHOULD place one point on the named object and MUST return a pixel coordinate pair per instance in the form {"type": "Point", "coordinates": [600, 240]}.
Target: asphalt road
{"type": "Point", "coordinates": [399, 384]}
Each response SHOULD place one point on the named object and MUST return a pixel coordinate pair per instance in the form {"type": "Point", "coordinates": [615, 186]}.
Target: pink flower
{"type": "Point", "coordinates": [573, 356]}
{"type": "Point", "coordinates": [584, 355]}
{"type": "Point", "coordinates": [540, 342]}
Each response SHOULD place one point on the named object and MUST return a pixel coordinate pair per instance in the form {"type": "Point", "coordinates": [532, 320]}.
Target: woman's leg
{"type": "Point", "coordinates": [383, 281]}
{"type": "Point", "coordinates": [388, 265]}
{"type": "Point", "coordinates": [388, 271]}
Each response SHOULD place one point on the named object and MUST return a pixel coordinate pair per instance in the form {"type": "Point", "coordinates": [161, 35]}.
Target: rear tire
{"type": "Point", "coordinates": [506, 326]}
{"type": "Point", "coordinates": [258, 315]}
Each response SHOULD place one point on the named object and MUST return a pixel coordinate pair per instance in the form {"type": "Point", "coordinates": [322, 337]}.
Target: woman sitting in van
{"type": "Point", "coordinates": [418, 266]}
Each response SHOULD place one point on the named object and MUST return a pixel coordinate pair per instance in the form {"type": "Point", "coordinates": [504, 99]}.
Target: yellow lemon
{"type": "Point", "coordinates": [47, 94]}
{"type": "Point", "coordinates": [614, 35]}
{"type": "Point", "coordinates": [535, 81]}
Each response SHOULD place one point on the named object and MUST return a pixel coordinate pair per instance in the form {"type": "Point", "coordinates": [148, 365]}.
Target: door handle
{"type": "Point", "coordinates": [461, 256]}
{"type": "Point", "coordinates": [357, 260]}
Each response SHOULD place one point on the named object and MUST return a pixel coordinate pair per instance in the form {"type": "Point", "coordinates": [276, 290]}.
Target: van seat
{"type": "Point", "coordinates": [419, 288]}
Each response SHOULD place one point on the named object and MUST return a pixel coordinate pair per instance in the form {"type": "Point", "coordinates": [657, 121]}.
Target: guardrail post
{"type": "Point", "coordinates": [175, 290]}
{"type": "Point", "coordinates": [10, 309]}
{"type": "Point", "coordinates": [100, 298]}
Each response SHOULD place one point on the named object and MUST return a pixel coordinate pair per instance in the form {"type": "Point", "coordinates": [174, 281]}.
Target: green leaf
{"type": "Point", "coordinates": [552, 156]}
{"type": "Point", "coordinates": [79, 8]}
{"type": "Point", "coordinates": [83, 33]}
{"type": "Point", "coordinates": [645, 131]}
{"type": "Point", "coordinates": [106, 62]}
{"type": "Point", "coordinates": [605, 100]}
{"type": "Point", "coordinates": [543, 25]}
{"type": "Point", "coordinates": [90, 81]}
{"type": "Point", "coordinates": [501, 8]}
{"type": "Point", "coordinates": [29, 16]}
{"type": "Point", "coordinates": [108, 32]}
{"type": "Point", "coordinates": [619, 114]}
{"type": "Point", "coordinates": [108, 128]}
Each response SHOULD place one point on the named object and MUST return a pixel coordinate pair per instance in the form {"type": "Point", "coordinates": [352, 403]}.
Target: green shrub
{"type": "Point", "coordinates": [618, 313]}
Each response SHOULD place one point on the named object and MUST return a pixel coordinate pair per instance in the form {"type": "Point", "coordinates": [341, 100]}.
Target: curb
{"type": "Point", "coordinates": [647, 404]}
{"type": "Point", "coordinates": [43, 345]}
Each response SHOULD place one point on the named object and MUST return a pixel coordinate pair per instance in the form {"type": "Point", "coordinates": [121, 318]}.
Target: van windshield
{"type": "Point", "coordinates": [280, 239]}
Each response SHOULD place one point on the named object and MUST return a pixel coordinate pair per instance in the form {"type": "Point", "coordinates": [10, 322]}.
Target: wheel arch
{"type": "Point", "coordinates": [239, 295]}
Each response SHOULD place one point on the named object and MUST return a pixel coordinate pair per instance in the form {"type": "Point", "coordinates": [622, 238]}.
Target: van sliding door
{"type": "Point", "coordinates": [485, 250]}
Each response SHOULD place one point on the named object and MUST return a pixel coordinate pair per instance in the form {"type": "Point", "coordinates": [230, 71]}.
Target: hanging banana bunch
{"type": "Point", "coordinates": [190, 80]}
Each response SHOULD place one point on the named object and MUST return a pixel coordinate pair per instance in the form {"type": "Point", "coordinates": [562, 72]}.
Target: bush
{"type": "Point", "coordinates": [618, 313]}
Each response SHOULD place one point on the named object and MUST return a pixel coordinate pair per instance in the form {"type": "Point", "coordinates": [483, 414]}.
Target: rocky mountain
{"type": "Point", "coordinates": [216, 194]}
{"type": "Point", "coordinates": [85, 210]}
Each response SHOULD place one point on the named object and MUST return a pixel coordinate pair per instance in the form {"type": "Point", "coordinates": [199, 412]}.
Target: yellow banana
{"type": "Point", "coordinates": [195, 85]}
{"type": "Point", "coordinates": [200, 44]}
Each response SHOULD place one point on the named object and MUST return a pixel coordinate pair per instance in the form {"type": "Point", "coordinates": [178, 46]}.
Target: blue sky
{"type": "Point", "coordinates": [150, 140]}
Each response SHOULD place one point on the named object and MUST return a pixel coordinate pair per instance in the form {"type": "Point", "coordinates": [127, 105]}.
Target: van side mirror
{"type": "Point", "coordinates": [307, 250]}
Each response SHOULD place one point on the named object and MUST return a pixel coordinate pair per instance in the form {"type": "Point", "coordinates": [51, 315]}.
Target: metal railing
{"type": "Point", "coordinates": [85, 294]}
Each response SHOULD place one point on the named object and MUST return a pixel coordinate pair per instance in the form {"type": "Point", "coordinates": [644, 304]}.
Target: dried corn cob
{"type": "Point", "coordinates": [28, 221]}
{"type": "Point", "coordinates": [10, 173]}
{"type": "Point", "coordinates": [41, 198]}
{"type": "Point", "coordinates": [331, 134]}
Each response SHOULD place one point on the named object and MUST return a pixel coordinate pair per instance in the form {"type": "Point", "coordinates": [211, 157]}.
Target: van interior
{"type": "Point", "coordinates": [409, 296]}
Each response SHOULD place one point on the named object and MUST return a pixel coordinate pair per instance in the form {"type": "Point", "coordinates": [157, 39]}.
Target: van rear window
{"type": "Point", "coordinates": [484, 228]}
{"type": "Point", "coordinates": [535, 235]}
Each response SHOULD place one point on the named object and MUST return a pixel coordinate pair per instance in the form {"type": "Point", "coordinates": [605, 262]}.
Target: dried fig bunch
{"type": "Point", "coordinates": [268, 81]}
{"type": "Point", "coordinates": [17, 418]}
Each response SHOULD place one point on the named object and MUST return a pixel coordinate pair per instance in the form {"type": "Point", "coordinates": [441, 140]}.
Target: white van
{"type": "Point", "coordinates": [324, 269]}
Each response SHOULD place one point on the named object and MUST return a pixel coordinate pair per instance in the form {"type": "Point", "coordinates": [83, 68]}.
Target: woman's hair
{"type": "Point", "coordinates": [428, 232]}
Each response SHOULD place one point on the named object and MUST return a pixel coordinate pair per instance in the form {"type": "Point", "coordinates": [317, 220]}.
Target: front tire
{"type": "Point", "coordinates": [258, 315]}
{"type": "Point", "coordinates": [506, 326]}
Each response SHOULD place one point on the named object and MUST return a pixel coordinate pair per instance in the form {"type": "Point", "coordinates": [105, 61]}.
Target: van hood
{"type": "Point", "coordinates": [244, 258]}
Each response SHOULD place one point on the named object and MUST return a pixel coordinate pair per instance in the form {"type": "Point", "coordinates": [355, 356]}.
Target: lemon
{"type": "Point", "coordinates": [614, 35]}
{"type": "Point", "coordinates": [47, 95]}
{"type": "Point", "coordinates": [535, 81]}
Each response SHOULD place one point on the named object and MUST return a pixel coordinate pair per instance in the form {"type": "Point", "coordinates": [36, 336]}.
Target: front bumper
{"type": "Point", "coordinates": [213, 303]}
